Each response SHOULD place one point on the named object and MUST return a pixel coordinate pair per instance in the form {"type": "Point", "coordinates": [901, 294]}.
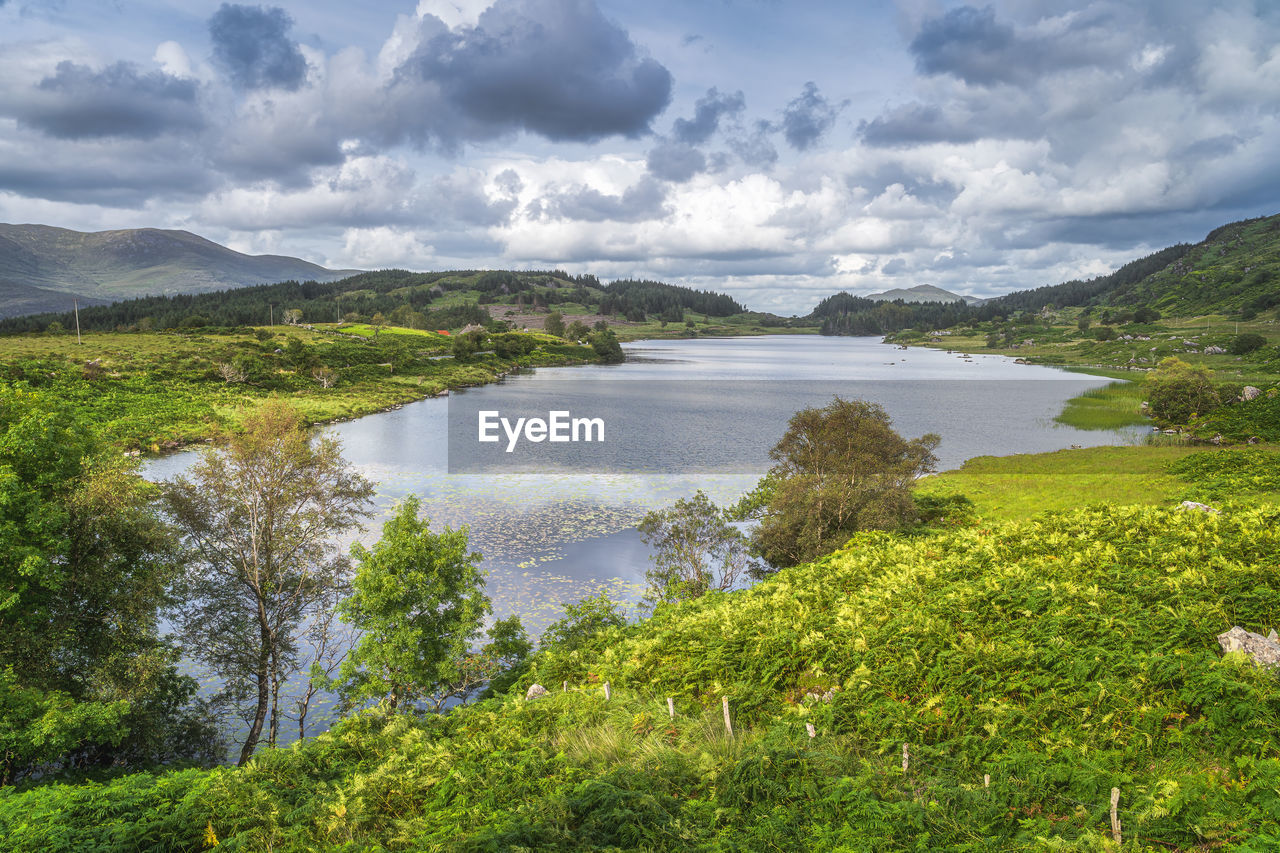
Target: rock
{"type": "Point", "coordinates": [821, 697]}
{"type": "Point", "coordinates": [1199, 506]}
{"type": "Point", "coordinates": [534, 691]}
{"type": "Point", "coordinates": [1214, 351]}
{"type": "Point", "coordinates": [1265, 651]}
{"type": "Point", "coordinates": [1249, 393]}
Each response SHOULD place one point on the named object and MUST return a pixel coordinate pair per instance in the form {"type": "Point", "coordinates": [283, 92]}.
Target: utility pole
{"type": "Point", "coordinates": [273, 314]}
{"type": "Point", "coordinates": [76, 302]}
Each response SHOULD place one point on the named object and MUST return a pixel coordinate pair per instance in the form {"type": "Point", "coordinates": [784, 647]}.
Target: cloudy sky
{"type": "Point", "coordinates": [777, 151]}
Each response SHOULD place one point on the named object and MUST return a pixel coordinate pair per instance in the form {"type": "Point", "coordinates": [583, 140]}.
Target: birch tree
{"type": "Point", "coordinates": [260, 517]}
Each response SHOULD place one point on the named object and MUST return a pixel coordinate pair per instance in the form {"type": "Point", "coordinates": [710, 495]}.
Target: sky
{"type": "Point", "coordinates": [779, 152]}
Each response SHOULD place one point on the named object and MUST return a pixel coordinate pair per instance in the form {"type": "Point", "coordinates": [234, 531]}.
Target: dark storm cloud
{"type": "Point", "coordinates": [675, 161]}
{"type": "Point", "coordinates": [807, 117]}
{"type": "Point", "coordinates": [252, 44]}
{"type": "Point", "coordinates": [915, 124]}
{"type": "Point", "coordinates": [118, 101]}
{"type": "Point", "coordinates": [638, 203]}
{"type": "Point", "coordinates": [557, 68]}
{"type": "Point", "coordinates": [707, 113]}
{"type": "Point", "coordinates": [67, 172]}
{"type": "Point", "coordinates": [970, 44]}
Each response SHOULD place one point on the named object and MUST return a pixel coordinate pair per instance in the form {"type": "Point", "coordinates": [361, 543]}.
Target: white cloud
{"type": "Point", "coordinates": [383, 246]}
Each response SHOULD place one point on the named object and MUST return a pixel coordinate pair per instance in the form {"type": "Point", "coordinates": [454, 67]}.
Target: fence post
{"type": "Point", "coordinates": [671, 707]}
{"type": "Point", "coordinates": [986, 780]}
{"type": "Point", "coordinates": [809, 728]}
{"type": "Point", "coordinates": [728, 726]}
{"type": "Point", "coordinates": [906, 758]}
{"type": "Point", "coordinates": [1115, 815]}
{"type": "Point", "coordinates": [564, 687]}
{"type": "Point", "coordinates": [606, 691]}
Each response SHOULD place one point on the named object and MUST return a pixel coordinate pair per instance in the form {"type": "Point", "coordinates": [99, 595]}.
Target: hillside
{"type": "Point", "coordinates": [1234, 271]}
{"type": "Point", "coordinates": [111, 265]}
{"type": "Point", "coordinates": [1030, 666]}
{"type": "Point", "coordinates": [924, 293]}
{"type": "Point", "coordinates": [435, 300]}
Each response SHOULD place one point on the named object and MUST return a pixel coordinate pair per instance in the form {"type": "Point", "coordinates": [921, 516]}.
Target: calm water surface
{"type": "Point", "coordinates": [548, 539]}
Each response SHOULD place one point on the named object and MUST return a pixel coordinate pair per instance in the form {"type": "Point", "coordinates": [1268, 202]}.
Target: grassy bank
{"type": "Point", "coordinates": [158, 390]}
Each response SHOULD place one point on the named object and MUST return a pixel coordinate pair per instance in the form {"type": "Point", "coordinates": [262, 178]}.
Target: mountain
{"type": "Point", "coordinates": [924, 293]}
{"type": "Point", "coordinates": [41, 267]}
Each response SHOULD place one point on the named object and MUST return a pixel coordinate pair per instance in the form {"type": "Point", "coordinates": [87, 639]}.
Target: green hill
{"type": "Point", "coordinates": [1030, 666]}
{"type": "Point", "coordinates": [1234, 270]}
{"type": "Point", "coordinates": [111, 265]}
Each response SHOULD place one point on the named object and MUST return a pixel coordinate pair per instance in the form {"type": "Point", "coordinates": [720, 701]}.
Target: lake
{"type": "Point", "coordinates": [550, 535]}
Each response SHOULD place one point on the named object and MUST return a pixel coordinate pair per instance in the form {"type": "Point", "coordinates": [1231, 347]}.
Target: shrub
{"type": "Point", "coordinates": [1177, 391]}
{"type": "Point", "coordinates": [1246, 343]}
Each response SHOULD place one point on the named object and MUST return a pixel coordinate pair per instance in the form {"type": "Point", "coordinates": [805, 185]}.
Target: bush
{"type": "Point", "coordinates": [1246, 343]}
{"type": "Point", "coordinates": [1176, 391]}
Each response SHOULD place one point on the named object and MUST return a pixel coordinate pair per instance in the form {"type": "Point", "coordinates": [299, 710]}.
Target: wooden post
{"type": "Point", "coordinates": [809, 728]}
{"type": "Point", "coordinates": [906, 758]}
{"type": "Point", "coordinates": [606, 691]}
{"type": "Point", "coordinates": [76, 302]}
{"type": "Point", "coordinates": [728, 726]}
{"type": "Point", "coordinates": [1115, 815]}
{"type": "Point", "coordinates": [986, 780]}
{"type": "Point", "coordinates": [671, 707]}
{"type": "Point", "coordinates": [564, 687]}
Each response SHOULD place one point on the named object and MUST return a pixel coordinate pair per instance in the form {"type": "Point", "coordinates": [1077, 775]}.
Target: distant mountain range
{"type": "Point", "coordinates": [43, 268]}
{"type": "Point", "coordinates": [924, 293]}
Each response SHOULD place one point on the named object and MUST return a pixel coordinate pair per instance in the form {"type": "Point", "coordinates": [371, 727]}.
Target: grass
{"type": "Point", "coordinates": [1110, 407]}
{"type": "Point", "coordinates": [157, 391]}
{"type": "Point", "coordinates": [1005, 488]}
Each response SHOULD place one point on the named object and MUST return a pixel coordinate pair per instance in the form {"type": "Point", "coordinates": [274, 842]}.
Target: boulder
{"type": "Point", "coordinates": [1249, 393]}
{"type": "Point", "coordinates": [1199, 507]}
{"type": "Point", "coordinates": [1214, 351]}
{"type": "Point", "coordinates": [1265, 651]}
{"type": "Point", "coordinates": [534, 691]}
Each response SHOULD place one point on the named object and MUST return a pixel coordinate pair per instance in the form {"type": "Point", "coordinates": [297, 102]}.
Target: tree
{"type": "Point", "coordinates": [259, 518]}
{"type": "Point", "coordinates": [496, 664]}
{"type": "Point", "coordinates": [86, 566]}
{"type": "Point", "coordinates": [1083, 323]}
{"type": "Point", "coordinates": [577, 331]}
{"type": "Point", "coordinates": [582, 621]}
{"type": "Point", "coordinates": [417, 600]}
{"type": "Point", "coordinates": [605, 345]}
{"type": "Point", "coordinates": [698, 551]}
{"type": "Point", "coordinates": [1177, 391]}
{"type": "Point", "coordinates": [466, 345]}
{"type": "Point", "coordinates": [554, 324]}
{"type": "Point", "coordinates": [838, 469]}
